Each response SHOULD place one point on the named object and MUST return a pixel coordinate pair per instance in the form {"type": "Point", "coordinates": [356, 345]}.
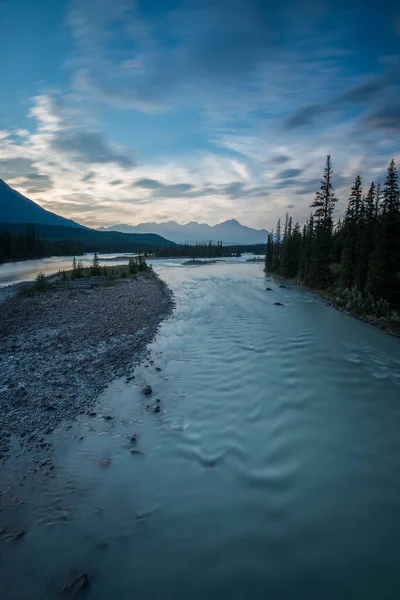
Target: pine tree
{"type": "Point", "coordinates": [383, 275]}
{"type": "Point", "coordinates": [269, 253]}
{"type": "Point", "coordinates": [320, 274]}
{"type": "Point", "coordinates": [349, 259]}
{"type": "Point", "coordinates": [366, 238]}
{"type": "Point", "coordinates": [277, 247]}
{"type": "Point", "coordinates": [307, 245]}
{"type": "Point", "coordinates": [95, 267]}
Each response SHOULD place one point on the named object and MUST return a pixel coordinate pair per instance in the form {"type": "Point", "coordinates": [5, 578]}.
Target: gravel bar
{"type": "Point", "coordinates": [59, 349]}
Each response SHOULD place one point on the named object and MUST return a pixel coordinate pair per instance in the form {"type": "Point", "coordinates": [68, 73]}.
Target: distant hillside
{"type": "Point", "coordinates": [16, 208]}
{"type": "Point", "coordinates": [229, 232]}
{"type": "Point", "coordinates": [78, 240]}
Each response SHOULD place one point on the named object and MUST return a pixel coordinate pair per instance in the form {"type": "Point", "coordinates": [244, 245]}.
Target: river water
{"type": "Point", "coordinates": [271, 472]}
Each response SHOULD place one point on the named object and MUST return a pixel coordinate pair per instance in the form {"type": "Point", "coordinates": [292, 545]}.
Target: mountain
{"type": "Point", "coordinates": [16, 208]}
{"type": "Point", "coordinates": [17, 213]}
{"type": "Point", "coordinates": [77, 240]}
{"type": "Point", "coordinates": [229, 232]}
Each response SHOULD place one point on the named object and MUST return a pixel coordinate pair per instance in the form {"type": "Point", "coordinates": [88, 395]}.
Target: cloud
{"type": "Point", "coordinates": [25, 170]}
{"type": "Point", "coordinates": [280, 159]}
{"type": "Point", "coordinates": [289, 173]}
{"type": "Point", "coordinates": [386, 118]}
{"type": "Point", "coordinates": [212, 44]}
{"type": "Point", "coordinates": [89, 148]}
{"type": "Point", "coordinates": [148, 184]}
{"type": "Point", "coordinates": [364, 92]}
{"type": "Point", "coordinates": [304, 116]}
{"type": "Point", "coordinates": [88, 177]}
{"type": "Point", "coordinates": [374, 89]}
{"type": "Point", "coordinates": [14, 167]}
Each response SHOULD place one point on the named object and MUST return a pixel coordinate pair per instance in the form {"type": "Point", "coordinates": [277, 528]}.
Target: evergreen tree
{"type": "Point", "coordinates": [366, 238]}
{"type": "Point", "coordinates": [383, 275]}
{"type": "Point", "coordinates": [351, 227]}
{"type": "Point", "coordinates": [320, 274]}
{"type": "Point", "coordinates": [306, 251]}
{"type": "Point", "coordinates": [277, 247]}
{"type": "Point", "coordinates": [269, 253]}
{"type": "Point", "coordinates": [95, 267]}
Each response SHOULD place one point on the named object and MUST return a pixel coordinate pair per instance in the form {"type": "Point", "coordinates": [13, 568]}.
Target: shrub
{"type": "Point", "coordinates": [41, 284]}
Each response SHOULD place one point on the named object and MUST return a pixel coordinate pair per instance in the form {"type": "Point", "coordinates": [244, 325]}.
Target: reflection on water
{"type": "Point", "coordinates": [272, 470]}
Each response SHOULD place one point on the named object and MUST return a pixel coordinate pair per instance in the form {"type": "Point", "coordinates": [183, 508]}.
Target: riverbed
{"type": "Point", "coordinates": [271, 471]}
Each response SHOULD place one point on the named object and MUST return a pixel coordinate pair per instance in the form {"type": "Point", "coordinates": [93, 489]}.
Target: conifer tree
{"type": "Point", "coordinates": [366, 238]}
{"type": "Point", "coordinates": [383, 275]}
{"type": "Point", "coordinates": [320, 274]}
{"type": "Point", "coordinates": [351, 225]}
{"type": "Point", "coordinates": [277, 247]}
{"type": "Point", "coordinates": [269, 253]}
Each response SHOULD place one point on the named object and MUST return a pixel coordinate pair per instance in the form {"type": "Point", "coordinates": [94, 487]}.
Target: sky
{"type": "Point", "coordinates": [128, 111]}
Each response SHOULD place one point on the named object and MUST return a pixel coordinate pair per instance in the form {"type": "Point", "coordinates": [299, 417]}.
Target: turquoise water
{"type": "Point", "coordinates": [272, 471]}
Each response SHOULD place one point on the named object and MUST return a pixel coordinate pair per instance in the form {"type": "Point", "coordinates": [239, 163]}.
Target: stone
{"type": "Point", "coordinates": [15, 535]}
{"type": "Point", "coordinates": [283, 286]}
{"type": "Point", "coordinates": [107, 417]}
{"type": "Point", "coordinates": [268, 289]}
{"type": "Point", "coordinates": [156, 408]}
{"type": "Point", "coordinates": [278, 304]}
{"type": "Point", "coordinates": [146, 390]}
{"type": "Point", "coordinates": [81, 582]}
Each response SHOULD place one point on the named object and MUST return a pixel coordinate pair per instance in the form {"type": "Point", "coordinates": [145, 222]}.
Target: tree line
{"type": "Point", "coordinates": [358, 257]}
{"type": "Point", "coordinates": [26, 244]}
{"type": "Point", "coordinates": [210, 250]}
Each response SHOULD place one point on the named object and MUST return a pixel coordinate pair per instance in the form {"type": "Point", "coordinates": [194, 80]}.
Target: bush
{"type": "Point", "coordinates": [41, 284]}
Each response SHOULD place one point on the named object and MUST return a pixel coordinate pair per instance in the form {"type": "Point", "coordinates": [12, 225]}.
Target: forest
{"type": "Point", "coordinates": [356, 259]}
{"type": "Point", "coordinates": [18, 245]}
{"type": "Point", "coordinates": [23, 241]}
{"type": "Point", "coordinates": [210, 250]}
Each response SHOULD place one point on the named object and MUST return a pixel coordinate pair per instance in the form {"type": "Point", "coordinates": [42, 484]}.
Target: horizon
{"type": "Point", "coordinates": [142, 112]}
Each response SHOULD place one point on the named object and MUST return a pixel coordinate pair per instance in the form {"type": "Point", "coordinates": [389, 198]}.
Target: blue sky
{"type": "Point", "coordinates": [131, 111]}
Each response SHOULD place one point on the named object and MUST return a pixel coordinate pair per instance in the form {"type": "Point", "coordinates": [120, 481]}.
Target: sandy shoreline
{"type": "Point", "coordinates": [58, 350]}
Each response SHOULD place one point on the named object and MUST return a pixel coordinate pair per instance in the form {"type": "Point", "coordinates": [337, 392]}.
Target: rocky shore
{"type": "Point", "coordinates": [59, 349]}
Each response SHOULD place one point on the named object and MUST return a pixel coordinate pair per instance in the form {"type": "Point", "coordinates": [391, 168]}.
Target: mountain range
{"type": "Point", "coordinates": [16, 208]}
{"type": "Point", "coordinates": [230, 232]}
{"type": "Point", "coordinates": [17, 213]}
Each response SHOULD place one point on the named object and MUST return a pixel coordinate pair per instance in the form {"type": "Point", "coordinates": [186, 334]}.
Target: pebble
{"type": "Point", "coordinates": [75, 362]}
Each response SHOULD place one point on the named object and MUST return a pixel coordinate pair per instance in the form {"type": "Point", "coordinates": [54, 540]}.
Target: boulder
{"type": "Point", "coordinates": [268, 289]}
{"type": "Point", "coordinates": [146, 390]}
{"type": "Point", "coordinates": [278, 304]}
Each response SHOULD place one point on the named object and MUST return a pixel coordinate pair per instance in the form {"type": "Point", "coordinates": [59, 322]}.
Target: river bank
{"type": "Point", "coordinates": [333, 301]}
{"type": "Point", "coordinates": [59, 349]}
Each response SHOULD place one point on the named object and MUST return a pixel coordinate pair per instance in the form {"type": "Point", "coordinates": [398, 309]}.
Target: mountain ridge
{"type": "Point", "coordinates": [230, 232]}
{"type": "Point", "coordinates": [17, 208]}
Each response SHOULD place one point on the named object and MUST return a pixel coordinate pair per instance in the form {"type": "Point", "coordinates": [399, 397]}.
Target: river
{"type": "Point", "coordinates": [271, 472]}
